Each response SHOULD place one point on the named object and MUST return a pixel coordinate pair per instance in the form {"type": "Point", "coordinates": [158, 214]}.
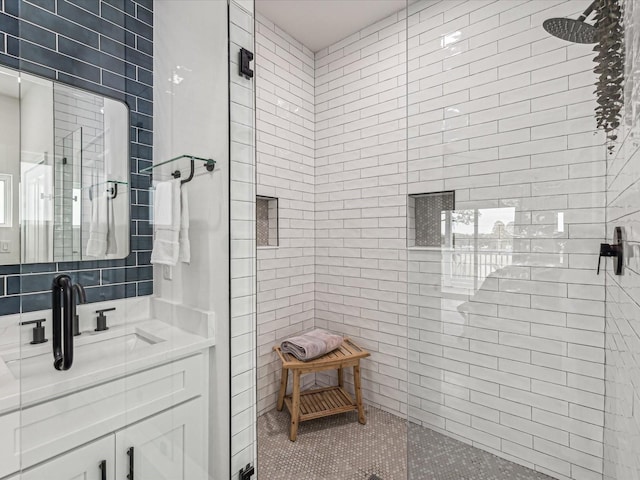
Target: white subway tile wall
{"type": "Point", "coordinates": [243, 245]}
{"type": "Point", "coordinates": [285, 167]}
{"type": "Point", "coordinates": [361, 160]}
{"type": "Point", "coordinates": [622, 409]}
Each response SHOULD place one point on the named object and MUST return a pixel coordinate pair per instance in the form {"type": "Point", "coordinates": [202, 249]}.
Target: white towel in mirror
{"type": "Point", "coordinates": [112, 245]}
{"type": "Point", "coordinates": [99, 227]}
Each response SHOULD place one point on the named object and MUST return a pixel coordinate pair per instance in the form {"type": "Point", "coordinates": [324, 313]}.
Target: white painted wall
{"type": "Point", "coordinates": [37, 146]}
{"type": "Point", "coordinates": [191, 117]}
{"type": "Point", "coordinates": [285, 167]}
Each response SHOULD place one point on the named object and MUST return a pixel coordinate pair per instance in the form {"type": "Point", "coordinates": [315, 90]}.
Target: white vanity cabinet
{"type": "Point", "coordinates": [160, 413]}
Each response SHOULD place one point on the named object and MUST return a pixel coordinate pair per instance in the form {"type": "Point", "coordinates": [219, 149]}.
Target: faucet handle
{"type": "Point", "coordinates": [101, 311]}
{"type": "Point", "coordinates": [38, 331]}
{"type": "Point", "coordinates": [101, 319]}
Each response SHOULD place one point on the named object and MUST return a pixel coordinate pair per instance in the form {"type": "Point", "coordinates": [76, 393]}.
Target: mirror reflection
{"type": "Point", "coordinates": [64, 172]}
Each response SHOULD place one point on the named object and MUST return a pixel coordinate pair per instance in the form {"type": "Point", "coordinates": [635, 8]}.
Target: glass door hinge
{"type": "Point", "coordinates": [247, 472]}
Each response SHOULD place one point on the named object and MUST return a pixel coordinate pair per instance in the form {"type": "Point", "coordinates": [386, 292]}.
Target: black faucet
{"type": "Point", "coordinates": [79, 296]}
{"type": "Point", "coordinates": [63, 304]}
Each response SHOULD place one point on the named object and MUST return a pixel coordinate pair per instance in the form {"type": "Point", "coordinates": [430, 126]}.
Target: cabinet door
{"type": "Point", "coordinates": [9, 443]}
{"type": "Point", "coordinates": [82, 463]}
{"type": "Point", "coordinates": [167, 446]}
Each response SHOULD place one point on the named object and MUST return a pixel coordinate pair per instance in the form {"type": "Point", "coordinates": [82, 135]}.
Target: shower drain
{"type": "Point", "coordinates": [374, 477]}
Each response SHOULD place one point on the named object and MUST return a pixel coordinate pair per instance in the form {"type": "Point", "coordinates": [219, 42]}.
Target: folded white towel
{"type": "Point", "coordinates": [163, 204]}
{"type": "Point", "coordinates": [99, 228]}
{"type": "Point", "coordinates": [166, 212]}
{"type": "Point", "coordinates": [185, 245]}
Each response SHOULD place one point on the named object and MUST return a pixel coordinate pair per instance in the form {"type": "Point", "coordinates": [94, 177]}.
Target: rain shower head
{"type": "Point", "coordinates": [576, 31]}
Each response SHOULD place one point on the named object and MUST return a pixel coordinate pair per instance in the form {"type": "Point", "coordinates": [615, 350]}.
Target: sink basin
{"type": "Point", "coordinates": [135, 341]}
{"type": "Point", "coordinates": [89, 348]}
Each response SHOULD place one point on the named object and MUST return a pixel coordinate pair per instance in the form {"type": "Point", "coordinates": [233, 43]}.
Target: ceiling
{"type": "Point", "coordinates": [320, 23]}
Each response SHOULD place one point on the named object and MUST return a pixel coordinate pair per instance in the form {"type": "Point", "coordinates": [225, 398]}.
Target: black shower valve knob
{"type": "Point", "coordinates": [614, 250]}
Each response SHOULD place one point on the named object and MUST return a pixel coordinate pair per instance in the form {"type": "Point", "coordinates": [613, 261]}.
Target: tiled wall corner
{"type": "Point", "coordinates": [285, 168]}
{"type": "Point", "coordinates": [622, 407]}
{"type": "Point", "coordinates": [108, 50]}
{"type": "Point", "coordinates": [361, 270]}
{"type": "Point", "coordinates": [243, 244]}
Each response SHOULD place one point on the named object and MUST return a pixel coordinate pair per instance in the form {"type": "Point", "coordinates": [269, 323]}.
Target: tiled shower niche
{"type": "Point", "coordinates": [267, 221]}
{"type": "Point", "coordinates": [429, 219]}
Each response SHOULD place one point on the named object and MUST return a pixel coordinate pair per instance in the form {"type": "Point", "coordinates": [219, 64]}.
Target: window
{"type": "Point", "coordinates": [6, 203]}
{"type": "Point", "coordinates": [430, 219]}
{"type": "Point", "coordinates": [267, 221]}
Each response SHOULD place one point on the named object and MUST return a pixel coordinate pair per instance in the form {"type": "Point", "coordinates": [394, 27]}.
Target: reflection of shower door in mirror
{"type": "Point", "coordinates": [37, 212]}
{"type": "Point", "coordinates": [68, 167]}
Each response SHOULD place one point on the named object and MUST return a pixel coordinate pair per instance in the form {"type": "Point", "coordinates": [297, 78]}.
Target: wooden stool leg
{"type": "Point", "coordinates": [356, 378]}
{"type": "Point", "coordinates": [295, 407]}
{"type": "Point", "coordinates": [283, 387]}
{"type": "Point", "coordinates": [341, 377]}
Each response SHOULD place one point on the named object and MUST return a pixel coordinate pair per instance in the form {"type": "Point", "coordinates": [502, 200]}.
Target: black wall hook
{"type": "Point", "coordinates": [616, 250]}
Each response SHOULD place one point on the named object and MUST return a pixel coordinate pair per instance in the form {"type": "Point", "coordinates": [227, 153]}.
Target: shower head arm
{"type": "Point", "coordinates": [587, 12]}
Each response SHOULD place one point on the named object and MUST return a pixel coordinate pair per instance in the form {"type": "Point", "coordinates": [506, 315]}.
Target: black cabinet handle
{"type": "Point", "coordinates": [103, 469]}
{"type": "Point", "coordinates": [130, 453]}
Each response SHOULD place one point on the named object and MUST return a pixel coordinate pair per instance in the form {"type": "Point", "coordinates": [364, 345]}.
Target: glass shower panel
{"type": "Point", "coordinates": [243, 321]}
{"type": "Point", "coordinates": [506, 311]}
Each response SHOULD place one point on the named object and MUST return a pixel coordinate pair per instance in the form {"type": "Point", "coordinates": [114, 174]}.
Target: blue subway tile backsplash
{"type": "Point", "coordinates": [105, 46]}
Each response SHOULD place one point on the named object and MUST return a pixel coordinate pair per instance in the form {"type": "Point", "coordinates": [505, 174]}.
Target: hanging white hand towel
{"type": "Point", "coordinates": [112, 245]}
{"type": "Point", "coordinates": [166, 212]}
{"type": "Point", "coordinates": [185, 244]}
{"type": "Point", "coordinates": [99, 228]}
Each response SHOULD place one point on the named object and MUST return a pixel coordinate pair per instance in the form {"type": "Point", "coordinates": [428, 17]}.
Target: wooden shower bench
{"type": "Point", "coordinates": [326, 401]}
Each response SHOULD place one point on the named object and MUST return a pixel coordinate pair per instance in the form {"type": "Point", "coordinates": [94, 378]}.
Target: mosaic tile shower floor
{"type": "Point", "coordinates": [339, 448]}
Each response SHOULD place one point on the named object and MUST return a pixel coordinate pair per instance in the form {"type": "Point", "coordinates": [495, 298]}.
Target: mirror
{"type": "Point", "coordinates": [64, 172]}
